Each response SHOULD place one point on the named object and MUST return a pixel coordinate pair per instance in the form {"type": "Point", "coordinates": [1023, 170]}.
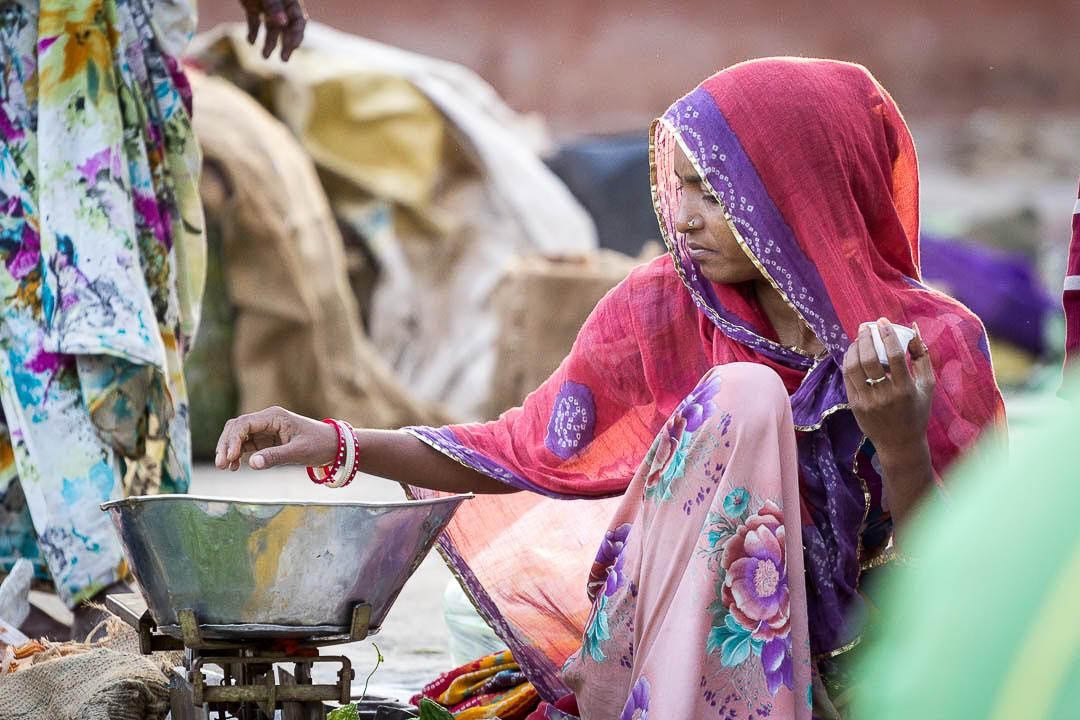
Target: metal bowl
{"type": "Point", "coordinates": [273, 568]}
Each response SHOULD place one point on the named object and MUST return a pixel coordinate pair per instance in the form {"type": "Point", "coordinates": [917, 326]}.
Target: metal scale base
{"type": "Point", "coordinates": [254, 682]}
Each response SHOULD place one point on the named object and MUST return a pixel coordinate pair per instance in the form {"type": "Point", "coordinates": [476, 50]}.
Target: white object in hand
{"type": "Point", "coordinates": [904, 334]}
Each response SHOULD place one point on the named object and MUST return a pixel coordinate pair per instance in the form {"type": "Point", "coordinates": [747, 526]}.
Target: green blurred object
{"type": "Point", "coordinates": [431, 710]}
{"type": "Point", "coordinates": [345, 712]}
{"type": "Point", "coordinates": [981, 622]}
{"type": "Point", "coordinates": [211, 384]}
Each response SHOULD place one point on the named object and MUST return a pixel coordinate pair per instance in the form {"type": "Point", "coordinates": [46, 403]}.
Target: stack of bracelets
{"type": "Point", "coordinates": [347, 462]}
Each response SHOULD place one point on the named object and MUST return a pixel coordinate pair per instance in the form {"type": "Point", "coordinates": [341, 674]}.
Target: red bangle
{"type": "Point", "coordinates": [329, 470]}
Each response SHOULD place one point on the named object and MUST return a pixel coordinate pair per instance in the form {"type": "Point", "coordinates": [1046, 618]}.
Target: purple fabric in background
{"type": "Point", "coordinates": [1002, 288]}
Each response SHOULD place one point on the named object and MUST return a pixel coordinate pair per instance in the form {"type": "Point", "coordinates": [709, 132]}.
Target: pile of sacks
{"type": "Point", "coordinates": [102, 680]}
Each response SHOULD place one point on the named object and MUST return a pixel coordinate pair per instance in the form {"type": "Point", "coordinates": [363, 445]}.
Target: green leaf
{"type": "Point", "coordinates": [431, 710]}
{"type": "Point", "coordinates": [345, 712]}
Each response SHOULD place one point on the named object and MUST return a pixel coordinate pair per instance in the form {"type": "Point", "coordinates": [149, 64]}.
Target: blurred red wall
{"type": "Point", "coordinates": [605, 66]}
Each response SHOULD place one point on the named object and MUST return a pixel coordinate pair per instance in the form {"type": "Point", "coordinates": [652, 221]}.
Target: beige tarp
{"type": "Point", "coordinates": [440, 178]}
{"type": "Point", "coordinates": [542, 303]}
{"type": "Point", "coordinates": [297, 339]}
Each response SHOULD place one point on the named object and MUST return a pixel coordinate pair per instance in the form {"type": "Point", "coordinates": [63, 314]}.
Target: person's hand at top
{"type": "Point", "coordinates": [284, 20]}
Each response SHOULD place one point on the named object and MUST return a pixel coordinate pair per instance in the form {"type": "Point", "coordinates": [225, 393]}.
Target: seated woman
{"type": "Point", "coordinates": [725, 399]}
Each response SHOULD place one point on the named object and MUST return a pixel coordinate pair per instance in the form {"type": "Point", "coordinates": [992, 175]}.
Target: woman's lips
{"type": "Point", "coordinates": [698, 252]}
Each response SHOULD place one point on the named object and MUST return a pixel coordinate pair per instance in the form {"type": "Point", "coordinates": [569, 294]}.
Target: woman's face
{"type": "Point", "coordinates": [709, 239]}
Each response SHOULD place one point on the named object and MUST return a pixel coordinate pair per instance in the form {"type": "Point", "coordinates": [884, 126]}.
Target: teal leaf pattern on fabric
{"type": "Point", "coordinates": [673, 471]}
{"type": "Point", "coordinates": [735, 650]}
{"type": "Point", "coordinates": [733, 642]}
{"type": "Point", "coordinates": [669, 452]}
{"type": "Point", "coordinates": [598, 631]}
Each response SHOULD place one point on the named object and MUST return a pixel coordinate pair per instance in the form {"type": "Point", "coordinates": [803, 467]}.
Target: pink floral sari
{"type": "Point", "coordinates": [691, 480]}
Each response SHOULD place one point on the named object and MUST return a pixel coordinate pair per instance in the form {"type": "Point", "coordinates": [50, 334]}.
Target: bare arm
{"type": "Point", "coordinates": [277, 437]}
{"type": "Point", "coordinates": [402, 457]}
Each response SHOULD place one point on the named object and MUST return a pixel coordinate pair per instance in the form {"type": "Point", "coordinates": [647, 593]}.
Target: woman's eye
{"type": "Point", "coordinates": [711, 199]}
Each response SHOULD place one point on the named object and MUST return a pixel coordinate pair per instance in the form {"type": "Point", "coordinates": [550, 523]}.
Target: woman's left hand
{"type": "Point", "coordinates": [893, 413]}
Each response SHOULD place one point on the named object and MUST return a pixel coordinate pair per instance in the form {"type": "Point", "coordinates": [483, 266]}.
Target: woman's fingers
{"type": "Point", "coordinates": [286, 454]}
{"type": "Point", "coordinates": [854, 379]}
{"type": "Point", "coordinates": [276, 21]}
{"type": "Point", "coordinates": [294, 31]}
{"type": "Point", "coordinates": [245, 434]}
{"type": "Point", "coordinates": [868, 358]}
{"type": "Point", "coordinates": [252, 11]}
{"type": "Point", "coordinates": [898, 368]}
{"type": "Point", "coordinates": [285, 21]}
{"type": "Point", "coordinates": [219, 451]}
{"type": "Point", "coordinates": [920, 360]}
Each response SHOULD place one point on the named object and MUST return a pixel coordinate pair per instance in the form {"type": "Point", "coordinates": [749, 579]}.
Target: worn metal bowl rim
{"type": "Point", "coordinates": [140, 499]}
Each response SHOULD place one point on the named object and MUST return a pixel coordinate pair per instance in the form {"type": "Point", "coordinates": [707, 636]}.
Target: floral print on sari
{"type": "Point", "coordinates": [668, 456]}
{"type": "Point", "coordinates": [101, 267]}
{"type": "Point", "coordinates": [751, 615]}
{"type": "Point", "coordinates": [694, 583]}
{"type": "Point", "coordinates": [605, 579]}
{"type": "Point", "coordinates": [637, 705]}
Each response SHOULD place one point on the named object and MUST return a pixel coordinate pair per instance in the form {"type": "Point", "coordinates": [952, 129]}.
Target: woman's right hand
{"type": "Point", "coordinates": [276, 437]}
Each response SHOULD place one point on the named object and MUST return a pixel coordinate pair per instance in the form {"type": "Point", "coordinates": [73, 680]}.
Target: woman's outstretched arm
{"type": "Point", "coordinates": [275, 437]}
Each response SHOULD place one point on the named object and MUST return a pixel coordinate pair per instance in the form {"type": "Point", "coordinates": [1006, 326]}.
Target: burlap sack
{"type": "Point", "coordinates": [284, 328]}
{"type": "Point", "coordinates": [101, 684]}
{"type": "Point", "coordinates": [105, 680]}
{"type": "Point", "coordinates": [542, 303]}
{"type": "Point", "coordinates": [441, 180]}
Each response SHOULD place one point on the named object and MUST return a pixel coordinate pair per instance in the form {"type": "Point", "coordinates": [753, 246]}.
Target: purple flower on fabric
{"type": "Point", "coordinates": [146, 206]}
{"type": "Point", "coordinates": [7, 128]}
{"type": "Point", "coordinates": [606, 573]}
{"type": "Point", "coordinates": [179, 80]}
{"type": "Point", "coordinates": [637, 705]}
{"type": "Point", "coordinates": [755, 588]}
{"type": "Point", "coordinates": [697, 406]}
{"type": "Point", "coordinates": [777, 664]}
{"type": "Point", "coordinates": [28, 257]}
{"type": "Point", "coordinates": [47, 362]}
{"type": "Point", "coordinates": [94, 164]}
{"type": "Point", "coordinates": [573, 420]}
